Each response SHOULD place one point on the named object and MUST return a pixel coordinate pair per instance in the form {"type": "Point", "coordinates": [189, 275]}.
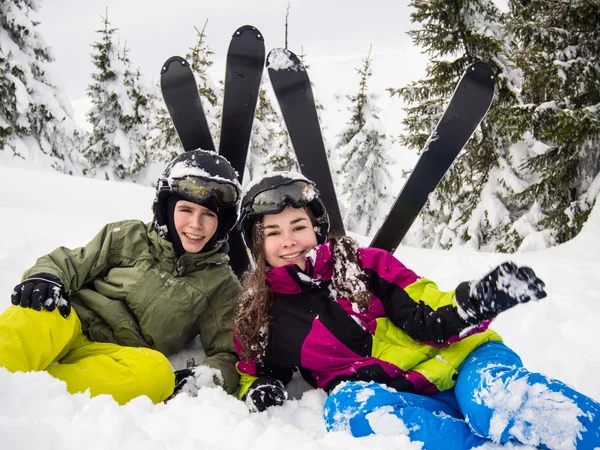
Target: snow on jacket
{"type": "Point", "coordinates": [411, 329]}
{"type": "Point", "coordinates": [128, 287]}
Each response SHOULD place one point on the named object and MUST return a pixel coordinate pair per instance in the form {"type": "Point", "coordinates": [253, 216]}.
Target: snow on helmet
{"type": "Point", "coordinates": [204, 178]}
{"type": "Point", "coordinates": [272, 193]}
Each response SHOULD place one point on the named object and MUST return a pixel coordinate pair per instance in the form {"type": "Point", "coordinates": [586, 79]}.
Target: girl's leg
{"type": "Point", "coordinates": [31, 340]}
{"type": "Point", "coordinates": [361, 408]}
{"type": "Point", "coordinates": [123, 372]}
{"type": "Point", "coordinates": [504, 401]}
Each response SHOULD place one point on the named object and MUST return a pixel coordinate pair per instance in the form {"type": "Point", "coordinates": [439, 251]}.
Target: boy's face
{"type": "Point", "coordinates": [288, 236]}
{"type": "Point", "coordinates": [195, 225]}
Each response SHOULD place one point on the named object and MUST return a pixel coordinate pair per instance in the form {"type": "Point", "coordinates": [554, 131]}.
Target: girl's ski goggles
{"type": "Point", "coordinates": [200, 189]}
{"type": "Point", "coordinates": [272, 201]}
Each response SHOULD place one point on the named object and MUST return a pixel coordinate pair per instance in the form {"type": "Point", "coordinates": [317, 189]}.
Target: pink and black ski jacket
{"type": "Point", "coordinates": [411, 328]}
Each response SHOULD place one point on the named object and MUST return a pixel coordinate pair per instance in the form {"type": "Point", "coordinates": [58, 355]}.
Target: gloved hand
{"type": "Point", "coordinates": [192, 379]}
{"type": "Point", "coordinates": [501, 289]}
{"type": "Point", "coordinates": [42, 290]}
{"type": "Point", "coordinates": [265, 392]}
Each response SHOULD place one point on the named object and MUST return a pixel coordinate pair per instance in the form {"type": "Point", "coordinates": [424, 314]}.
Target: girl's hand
{"type": "Point", "coordinates": [504, 287]}
{"type": "Point", "coordinates": [265, 392]}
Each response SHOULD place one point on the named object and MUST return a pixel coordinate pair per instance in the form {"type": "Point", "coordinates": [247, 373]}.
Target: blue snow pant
{"type": "Point", "coordinates": [495, 398]}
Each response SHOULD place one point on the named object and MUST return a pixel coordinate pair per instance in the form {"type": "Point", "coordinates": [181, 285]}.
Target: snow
{"type": "Point", "coordinates": [555, 409]}
{"type": "Point", "coordinates": [279, 59]}
{"type": "Point", "coordinates": [40, 210]}
{"type": "Point", "coordinates": [186, 168]}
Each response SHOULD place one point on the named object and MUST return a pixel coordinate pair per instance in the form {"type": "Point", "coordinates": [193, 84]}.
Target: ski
{"type": "Point", "coordinates": [244, 67]}
{"type": "Point", "coordinates": [294, 93]}
{"type": "Point", "coordinates": [467, 108]}
{"type": "Point", "coordinates": [180, 93]}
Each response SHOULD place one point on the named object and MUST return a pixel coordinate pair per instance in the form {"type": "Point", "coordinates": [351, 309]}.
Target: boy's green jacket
{"type": "Point", "coordinates": [129, 288]}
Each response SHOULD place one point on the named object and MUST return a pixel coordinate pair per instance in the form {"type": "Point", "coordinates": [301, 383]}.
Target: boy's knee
{"type": "Point", "coordinates": [157, 379]}
{"type": "Point", "coordinates": [31, 340]}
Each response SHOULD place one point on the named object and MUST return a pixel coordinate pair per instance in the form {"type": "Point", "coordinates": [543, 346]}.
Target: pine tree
{"type": "Point", "coordinates": [163, 142]}
{"type": "Point", "coordinates": [119, 115]}
{"type": "Point", "coordinates": [364, 160]}
{"type": "Point", "coordinates": [474, 204]}
{"type": "Point", "coordinates": [558, 52]}
{"type": "Point", "coordinates": [270, 146]}
{"type": "Point", "coordinates": [36, 119]}
{"type": "Point", "coordinates": [200, 59]}
{"type": "Point", "coordinates": [263, 135]}
{"type": "Point", "coordinates": [281, 156]}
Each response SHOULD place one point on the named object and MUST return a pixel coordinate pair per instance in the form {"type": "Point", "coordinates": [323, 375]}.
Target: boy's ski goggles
{"type": "Point", "coordinates": [200, 189]}
{"type": "Point", "coordinates": [272, 201]}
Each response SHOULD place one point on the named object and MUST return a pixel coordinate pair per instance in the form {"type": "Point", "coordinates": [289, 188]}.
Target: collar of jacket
{"type": "Point", "coordinates": [187, 262]}
{"type": "Point", "coordinates": [289, 279]}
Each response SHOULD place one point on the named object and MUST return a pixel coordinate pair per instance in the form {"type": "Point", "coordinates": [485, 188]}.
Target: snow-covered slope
{"type": "Point", "coordinates": [42, 210]}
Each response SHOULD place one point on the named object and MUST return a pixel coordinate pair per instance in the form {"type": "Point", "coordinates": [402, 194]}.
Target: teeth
{"type": "Point", "coordinates": [295, 255]}
{"type": "Point", "coordinates": [195, 237]}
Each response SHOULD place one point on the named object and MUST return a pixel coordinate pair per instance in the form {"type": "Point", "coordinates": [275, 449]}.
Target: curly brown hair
{"type": "Point", "coordinates": [252, 315]}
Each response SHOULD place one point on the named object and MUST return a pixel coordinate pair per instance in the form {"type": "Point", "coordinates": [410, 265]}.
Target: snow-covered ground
{"type": "Point", "coordinates": [40, 210]}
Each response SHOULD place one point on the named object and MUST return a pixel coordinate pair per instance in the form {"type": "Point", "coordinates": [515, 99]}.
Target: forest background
{"type": "Point", "coordinates": [527, 180]}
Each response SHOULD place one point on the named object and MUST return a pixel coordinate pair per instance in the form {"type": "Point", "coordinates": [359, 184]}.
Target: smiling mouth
{"type": "Point", "coordinates": [292, 256]}
{"type": "Point", "coordinates": [193, 237]}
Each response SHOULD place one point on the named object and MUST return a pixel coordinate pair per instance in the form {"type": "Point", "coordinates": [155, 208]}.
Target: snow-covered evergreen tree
{"type": "Point", "coordinates": [270, 146]}
{"type": "Point", "coordinates": [200, 59]}
{"type": "Point", "coordinates": [364, 161]}
{"type": "Point", "coordinates": [281, 156]}
{"type": "Point", "coordinates": [558, 45]}
{"type": "Point", "coordinates": [36, 118]}
{"type": "Point", "coordinates": [163, 143]}
{"type": "Point", "coordinates": [119, 115]}
{"type": "Point", "coordinates": [474, 204]}
{"type": "Point", "coordinates": [263, 135]}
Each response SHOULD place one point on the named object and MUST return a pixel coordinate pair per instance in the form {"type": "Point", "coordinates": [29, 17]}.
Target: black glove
{"type": "Point", "coordinates": [501, 289]}
{"type": "Point", "coordinates": [42, 290]}
{"type": "Point", "coordinates": [265, 392]}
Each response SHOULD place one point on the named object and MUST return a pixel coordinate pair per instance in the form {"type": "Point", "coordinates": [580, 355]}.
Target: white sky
{"type": "Point", "coordinates": [41, 210]}
{"type": "Point", "coordinates": [155, 30]}
{"type": "Point", "coordinates": [334, 34]}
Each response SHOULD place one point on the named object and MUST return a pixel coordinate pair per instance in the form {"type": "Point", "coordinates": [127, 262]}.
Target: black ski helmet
{"type": "Point", "coordinates": [202, 177]}
{"type": "Point", "coordinates": [272, 193]}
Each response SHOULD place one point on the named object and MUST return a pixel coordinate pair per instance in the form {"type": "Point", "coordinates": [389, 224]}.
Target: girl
{"type": "Point", "coordinates": [382, 340]}
{"type": "Point", "coordinates": [104, 317]}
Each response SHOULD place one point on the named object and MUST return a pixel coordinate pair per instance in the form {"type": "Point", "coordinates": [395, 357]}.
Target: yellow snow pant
{"type": "Point", "coordinates": [43, 340]}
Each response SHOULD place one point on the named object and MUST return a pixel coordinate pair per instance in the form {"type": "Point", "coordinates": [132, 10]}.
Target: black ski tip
{"type": "Point", "coordinates": [283, 59]}
{"type": "Point", "coordinates": [482, 72]}
{"type": "Point", "coordinates": [251, 29]}
{"type": "Point", "coordinates": [178, 59]}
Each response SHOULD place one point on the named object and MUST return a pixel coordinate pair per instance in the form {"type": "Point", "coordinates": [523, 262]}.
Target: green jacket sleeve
{"type": "Point", "coordinates": [216, 332]}
{"type": "Point", "coordinates": [79, 266]}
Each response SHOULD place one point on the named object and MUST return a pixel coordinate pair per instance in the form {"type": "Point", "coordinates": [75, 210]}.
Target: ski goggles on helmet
{"type": "Point", "coordinates": [199, 189]}
{"type": "Point", "coordinates": [272, 201]}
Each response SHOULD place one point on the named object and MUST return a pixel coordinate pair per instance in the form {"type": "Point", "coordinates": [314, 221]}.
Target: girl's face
{"type": "Point", "coordinates": [288, 235]}
{"type": "Point", "coordinates": [195, 225]}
